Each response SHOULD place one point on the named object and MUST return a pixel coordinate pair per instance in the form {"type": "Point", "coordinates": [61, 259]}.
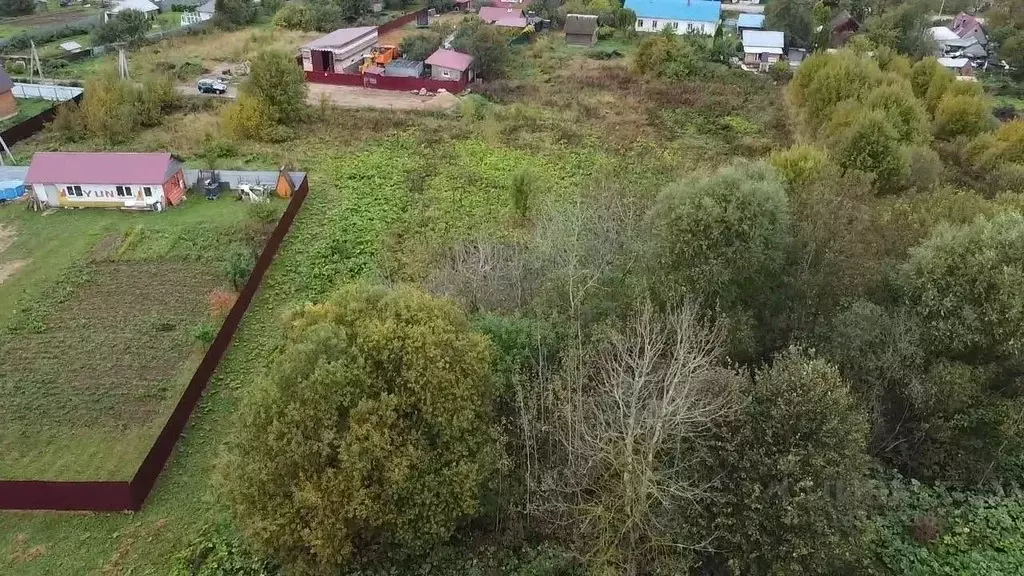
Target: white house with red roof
{"type": "Point", "coordinates": [450, 65]}
{"type": "Point", "coordinates": [130, 180]}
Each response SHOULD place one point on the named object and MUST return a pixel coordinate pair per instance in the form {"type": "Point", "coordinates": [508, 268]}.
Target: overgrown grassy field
{"type": "Point", "coordinates": [97, 316]}
{"type": "Point", "coordinates": [390, 194]}
{"type": "Point", "coordinates": [187, 57]}
{"type": "Point", "coordinates": [27, 108]}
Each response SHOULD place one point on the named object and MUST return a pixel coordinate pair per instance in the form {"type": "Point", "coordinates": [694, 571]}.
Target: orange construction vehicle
{"type": "Point", "coordinates": [378, 56]}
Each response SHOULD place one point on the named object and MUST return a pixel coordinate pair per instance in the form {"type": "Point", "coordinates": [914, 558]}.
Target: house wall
{"type": "Point", "coordinates": [8, 105]}
{"type": "Point", "coordinates": [445, 74]}
{"type": "Point", "coordinates": [174, 188]}
{"type": "Point", "coordinates": [99, 196]}
{"type": "Point", "coordinates": [581, 39]}
{"type": "Point", "coordinates": [755, 57]}
{"type": "Point", "coordinates": [647, 24]}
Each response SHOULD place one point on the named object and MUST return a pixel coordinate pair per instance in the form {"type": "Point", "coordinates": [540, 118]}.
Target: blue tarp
{"type": "Point", "coordinates": [11, 189]}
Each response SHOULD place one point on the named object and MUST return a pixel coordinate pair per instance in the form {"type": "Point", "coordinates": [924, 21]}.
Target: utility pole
{"type": "Point", "coordinates": [122, 63]}
{"type": "Point", "coordinates": [33, 64]}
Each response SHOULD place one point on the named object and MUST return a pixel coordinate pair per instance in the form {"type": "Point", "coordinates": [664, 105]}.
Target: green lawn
{"type": "Point", "coordinates": [97, 321]}
{"type": "Point", "coordinates": [54, 16]}
{"type": "Point", "coordinates": [27, 108]}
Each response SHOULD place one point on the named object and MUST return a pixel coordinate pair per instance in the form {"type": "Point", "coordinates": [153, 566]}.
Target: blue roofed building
{"type": "Point", "coordinates": [750, 22]}
{"type": "Point", "coordinates": [680, 16]}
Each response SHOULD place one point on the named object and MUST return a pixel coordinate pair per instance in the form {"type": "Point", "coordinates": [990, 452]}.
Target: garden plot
{"type": "Point", "coordinates": [94, 357]}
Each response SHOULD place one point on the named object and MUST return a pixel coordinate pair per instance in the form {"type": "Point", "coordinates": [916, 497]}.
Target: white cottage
{"type": "Point", "coordinates": [137, 181]}
{"type": "Point", "coordinates": [680, 16]}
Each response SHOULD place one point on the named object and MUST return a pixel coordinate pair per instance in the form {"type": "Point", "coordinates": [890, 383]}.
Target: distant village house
{"type": "Point", "coordinates": [450, 65]}
{"type": "Point", "coordinates": [762, 48]}
{"type": "Point", "coordinates": [144, 6]}
{"type": "Point", "coordinates": [680, 16]}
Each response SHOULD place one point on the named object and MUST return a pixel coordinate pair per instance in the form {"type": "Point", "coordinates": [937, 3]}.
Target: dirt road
{"type": "Point", "coordinates": [356, 97]}
{"type": "Point", "coordinates": [191, 90]}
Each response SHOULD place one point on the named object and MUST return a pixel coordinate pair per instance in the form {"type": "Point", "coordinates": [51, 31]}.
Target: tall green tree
{"type": "Point", "coordinates": [723, 238]}
{"type": "Point", "coordinates": [794, 17]}
{"type": "Point", "coordinates": [870, 143]}
{"type": "Point", "coordinates": [903, 28]}
{"type": "Point", "coordinates": [488, 46]}
{"type": "Point", "coordinates": [962, 115]}
{"type": "Point", "coordinates": [276, 80]}
{"type": "Point", "coordinates": [16, 7]}
{"type": "Point", "coordinates": [966, 284]}
{"type": "Point", "coordinates": [371, 435]}
{"type": "Point", "coordinates": [790, 471]}
{"type": "Point", "coordinates": [234, 13]}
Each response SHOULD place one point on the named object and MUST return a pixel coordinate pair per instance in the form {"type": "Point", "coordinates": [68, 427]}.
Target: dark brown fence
{"type": "Point", "coordinates": [111, 496]}
{"type": "Point", "coordinates": [399, 22]}
{"type": "Point", "coordinates": [32, 126]}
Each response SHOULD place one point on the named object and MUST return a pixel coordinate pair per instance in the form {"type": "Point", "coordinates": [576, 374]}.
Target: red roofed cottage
{"type": "Point", "coordinates": [451, 65]}
{"type": "Point", "coordinates": [136, 181]}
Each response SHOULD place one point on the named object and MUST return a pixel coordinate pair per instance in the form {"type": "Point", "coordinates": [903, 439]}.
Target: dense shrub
{"type": "Point", "coordinates": [791, 469]}
{"type": "Point", "coordinates": [296, 16]}
{"type": "Point", "coordinates": [488, 46]}
{"type": "Point", "coordinates": [129, 26]}
{"type": "Point", "coordinates": [370, 437]}
{"type": "Point", "coordinates": [871, 144]}
{"type": "Point", "coordinates": [962, 115]}
{"type": "Point", "coordinates": [722, 238]}
{"type": "Point", "coordinates": [16, 7]}
{"type": "Point", "coordinates": [965, 283]}
{"type": "Point", "coordinates": [115, 108]}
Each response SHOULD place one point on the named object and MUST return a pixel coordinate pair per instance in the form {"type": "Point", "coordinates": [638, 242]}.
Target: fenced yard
{"type": "Point", "coordinates": [103, 316]}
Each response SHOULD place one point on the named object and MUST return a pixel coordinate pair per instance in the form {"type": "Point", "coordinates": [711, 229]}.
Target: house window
{"type": "Point", "coordinates": [147, 191]}
{"type": "Point", "coordinates": [654, 24]}
{"type": "Point", "coordinates": [674, 25]}
{"type": "Point", "coordinates": [75, 191]}
{"type": "Point", "coordinates": [123, 191]}
{"type": "Point", "coordinates": [445, 73]}
{"type": "Point", "coordinates": [639, 23]}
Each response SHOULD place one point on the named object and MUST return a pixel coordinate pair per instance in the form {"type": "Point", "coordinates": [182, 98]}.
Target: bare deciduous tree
{"type": "Point", "coordinates": [627, 426]}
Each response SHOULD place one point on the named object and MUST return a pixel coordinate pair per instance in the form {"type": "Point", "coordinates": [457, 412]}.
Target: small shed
{"type": "Point", "coordinates": [762, 48]}
{"type": "Point", "coordinates": [581, 29]}
{"type": "Point", "coordinates": [402, 68]}
{"type": "Point", "coordinates": [747, 21]}
{"type": "Point", "coordinates": [8, 105]}
{"type": "Point", "coordinates": [132, 180]}
{"type": "Point", "coordinates": [338, 50]}
{"type": "Point", "coordinates": [450, 65]}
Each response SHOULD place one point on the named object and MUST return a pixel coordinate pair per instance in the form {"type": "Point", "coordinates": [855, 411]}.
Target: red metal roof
{"type": "Point", "coordinates": [492, 14]}
{"type": "Point", "coordinates": [450, 59]}
{"type": "Point", "coordinates": [98, 168]}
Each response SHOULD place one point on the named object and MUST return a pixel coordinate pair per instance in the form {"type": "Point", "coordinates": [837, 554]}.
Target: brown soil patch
{"type": "Point", "coordinates": [22, 552]}
{"type": "Point", "coordinates": [7, 269]}
{"type": "Point", "coordinates": [107, 355]}
{"type": "Point", "coordinates": [356, 97]}
{"type": "Point", "coordinates": [7, 237]}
